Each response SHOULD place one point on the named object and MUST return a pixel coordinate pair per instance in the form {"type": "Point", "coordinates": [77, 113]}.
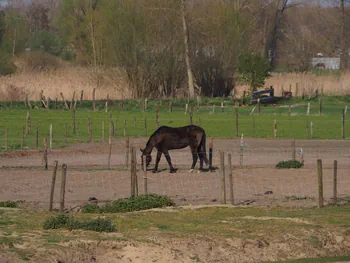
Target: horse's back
{"type": "Point", "coordinates": [184, 131]}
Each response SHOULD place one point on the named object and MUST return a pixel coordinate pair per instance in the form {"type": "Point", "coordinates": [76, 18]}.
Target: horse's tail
{"type": "Point", "coordinates": [203, 148]}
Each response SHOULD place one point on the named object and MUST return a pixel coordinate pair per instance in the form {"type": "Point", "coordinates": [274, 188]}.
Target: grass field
{"type": "Point", "coordinates": [300, 232]}
{"type": "Point", "coordinates": [217, 124]}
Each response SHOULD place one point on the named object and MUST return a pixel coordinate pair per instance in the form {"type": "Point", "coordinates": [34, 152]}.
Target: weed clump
{"type": "Point", "coordinates": [10, 204]}
{"type": "Point", "coordinates": [289, 164]}
{"type": "Point", "coordinates": [68, 222]}
{"type": "Point", "coordinates": [142, 202]}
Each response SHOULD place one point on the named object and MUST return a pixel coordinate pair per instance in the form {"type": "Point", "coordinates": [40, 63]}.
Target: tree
{"type": "Point", "coordinates": [254, 69]}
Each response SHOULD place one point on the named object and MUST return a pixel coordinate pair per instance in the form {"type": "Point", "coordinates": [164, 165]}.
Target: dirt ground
{"type": "Point", "coordinates": [257, 182]}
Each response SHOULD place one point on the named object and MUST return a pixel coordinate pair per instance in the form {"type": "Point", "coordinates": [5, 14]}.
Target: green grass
{"type": "Point", "coordinates": [219, 124]}
{"type": "Point", "coordinates": [315, 260]}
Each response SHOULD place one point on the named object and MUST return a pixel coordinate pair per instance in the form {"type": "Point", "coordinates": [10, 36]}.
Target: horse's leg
{"type": "Point", "coordinates": [201, 158]}
{"type": "Point", "coordinates": [194, 158]}
{"type": "Point", "coordinates": [159, 154]}
{"type": "Point", "coordinates": [167, 156]}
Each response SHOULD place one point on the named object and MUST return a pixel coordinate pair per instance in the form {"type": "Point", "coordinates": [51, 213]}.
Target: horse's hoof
{"type": "Point", "coordinates": [173, 171]}
{"type": "Point", "coordinates": [154, 171]}
{"type": "Point", "coordinates": [190, 171]}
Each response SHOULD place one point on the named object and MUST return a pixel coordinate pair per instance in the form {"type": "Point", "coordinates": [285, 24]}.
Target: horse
{"type": "Point", "coordinates": [167, 138]}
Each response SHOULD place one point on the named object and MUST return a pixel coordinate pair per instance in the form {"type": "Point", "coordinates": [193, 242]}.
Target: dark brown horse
{"type": "Point", "coordinates": [168, 138]}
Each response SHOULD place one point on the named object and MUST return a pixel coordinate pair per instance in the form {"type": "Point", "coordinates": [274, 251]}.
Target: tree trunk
{"type": "Point", "coordinates": [271, 47]}
{"type": "Point", "coordinates": [187, 52]}
{"type": "Point", "coordinates": [344, 55]}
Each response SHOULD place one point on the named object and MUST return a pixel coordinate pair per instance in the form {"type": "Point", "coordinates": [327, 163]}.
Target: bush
{"type": "Point", "coordinates": [66, 221]}
{"type": "Point", "coordinates": [142, 202]}
{"type": "Point", "coordinates": [6, 66]}
{"type": "Point", "coordinates": [40, 61]}
{"type": "Point", "coordinates": [11, 204]}
{"type": "Point", "coordinates": [289, 164]}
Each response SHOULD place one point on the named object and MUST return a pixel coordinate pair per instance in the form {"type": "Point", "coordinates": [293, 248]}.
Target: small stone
{"type": "Point", "coordinates": [339, 239]}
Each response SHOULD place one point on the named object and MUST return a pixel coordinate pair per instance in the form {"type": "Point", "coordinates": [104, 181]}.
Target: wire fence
{"type": "Point", "coordinates": [93, 172]}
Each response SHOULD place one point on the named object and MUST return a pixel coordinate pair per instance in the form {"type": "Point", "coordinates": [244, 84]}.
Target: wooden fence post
{"type": "Point", "coordinates": [127, 147]}
{"type": "Point", "coordinates": [253, 126]}
{"type": "Point", "coordinates": [191, 116]}
{"type": "Point", "coordinates": [320, 183]}
{"type": "Point", "coordinates": [223, 184]}
{"type": "Point", "coordinates": [293, 151]}
{"type": "Point", "coordinates": [53, 181]}
{"type": "Point", "coordinates": [289, 110]}
{"type": "Point", "coordinates": [82, 95]}
{"type": "Point", "coordinates": [308, 109]}
{"type": "Point", "coordinates": [124, 128]}
{"type": "Point", "coordinates": [93, 99]}
{"type": "Point", "coordinates": [73, 121]}
{"type": "Point", "coordinates": [135, 173]}
{"type": "Point", "coordinates": [229, 158]}
{"type": "Point", "coordinates": [335, 181]}
{"type": "Point", "coordinates": [236, 114]}
{"type": "Point", "coordinates": [145, 183]}
{"type": "Point", "coordinates": [311, 129]}
{"type": "Point", "coordinates": [320, 102]}
{"type": "Point", "coordinates": [6, 138]}
{"type": "Point", "coordinates": [22, 138]}
{"type": "Point", "coordinates": [157, 118]}
{"type": "Point", "coordinates": [170, 107]}
{"type": "Point", "coordinates": [343, 125]}
{"type": "Point", "coordinates": [259, 106]}
{"type": "Point", "coordinates": [145, 126]}
{"type": "Point", "coordinates": [211, 154]}
{"type": "Point", "coordinates": [50, 136]}
{"type": "Point", "coordinates": [132, 178]}
{"type": "Point", "coordinates": [106, 106]}
{"type": "Point", "coordinates": [110, 146]}
{"type": "Point", "coordinates": [28, 124]}
{"type": "Point", "coordinates": [134, 126]}
{"type": "Point", "coordinates": [186, 109]}
{"type": "Point", "coordinates": [307, 129]}
{"type": "Point", "coordinates": [63, 186]}
{"type": "Point", "coordinates": [222, 107]}
{"type": "Point", "coordinates": [37, 135]}
{"type": "Point", "coordinates": [89, 130]}
{"type": "Point", "coordinates": [45, 154]}
{"type": "Point", "coordinates": [103, 130]}
{"type": "Point", "coordinates": [65, 132]}
{"type": "Point", "coordinates": [275, 128]}
{"type": "Point", "coordinates": [123, 103]}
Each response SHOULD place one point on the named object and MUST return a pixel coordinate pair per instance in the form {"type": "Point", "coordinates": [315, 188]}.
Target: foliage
{"type": "Point", "coordinates": [11, 204]}
{"type": "Point", "coordinates": [40, 61]}
{"type": "Point", "coordinates": [6, 66]}
{"type": "Point", "coordinates": [253, 69]}
{"type": "Point", "coordinates": [68, 222]}
{"type": "Point", "coordinates": [142, 202]}
{"type": "Point", "coordinates": [47, 41]}
{"type": "Point", "coordinates": [289, 164]}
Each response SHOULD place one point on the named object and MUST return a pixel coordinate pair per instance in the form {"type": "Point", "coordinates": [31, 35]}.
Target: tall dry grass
{"type": "Point", "coordinates": [67, 79]}
{"type": "Point", "coordinates": [307, 83]}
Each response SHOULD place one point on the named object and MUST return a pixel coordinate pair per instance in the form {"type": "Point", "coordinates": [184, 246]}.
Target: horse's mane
{"type": "Point", "coordinates": [151, 137]}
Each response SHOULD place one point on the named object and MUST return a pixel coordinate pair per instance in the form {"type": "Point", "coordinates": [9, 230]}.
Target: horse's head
{"type": "Point", "coordinates": [148, 158]}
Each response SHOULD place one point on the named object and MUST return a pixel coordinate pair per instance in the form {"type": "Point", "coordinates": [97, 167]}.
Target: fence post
{"type": "Point", "coordinates": [45, 153]}
{"type": "Point", "coordinates": [132, 178]}
{"type": "Point", "coordinates": [65, 132]}
{"type": "Point", "coordinates": [293, 150]}
{"type": "Point", "coordinates": [259, 108]}
{"type": "Point", "coordinates": [93, 99]}
{"type": "Point", "coordinates": [89, 129]}
{"type": "Point", "coordinates": [335, 173]}
{"type": "Point", "coordinates": [289, 110]}
{"type": "Point", "coordinates": [320, 183]}
{"type": "Point", "coordinates": [82, 95]}
{"type": "Point", "coordinates": [103, 130]}
{"type": "Point", "coordinates": [63, 186]}
{"type": "Point", "coordinates": [124, 128]}
{"type": "Point", "coordinates": [320, 101]}
{"type": "Point", "coordinates": [241, 152]}
{"type": "Point", "coordinates": [50, 136]}
{"type": "Point", "coordinates": [110, 146]}
{"type": "Point", "coordinates": [307, 129]}
{"type": "Point", "coordinates": [170, 107]}
{"type": "Point", "coordinates": [146, 126]}
{"type": "Point", "coordinates": [22, 138]}
{"type": "Point", "coordinates": [191, 116]}
{"type": "Point", "coordinates": [73, 121]}
{"type": "Point", "coordinates": [6, 138]}
{"type": "Point", "coordinates": [157, 118]}
{"type": "Point", "coordinates": [223, 185]}
{"type": "Point", "coordinates": [28, 128]}
{"type": "Point", "coordinates": [229, 158]}
{"type": "Point", "coordinates": [37, 136]}
{"type": "Point", "coordinates": [236, 114]}
{"type": "Point", "coordinates": [222, 106]}
{"type": "Point", "coordinates": [53, 181]}
{"type": "Point", "coordinates": [134, 126]}
{"type": "Point", "coordinates": [135, 173]}
{"type": "Point", "coordinates": [211, 154]}
{"type": "Point", "coordinates": [186, 109]}
{"type": "Point", "coordinates": [127, 147]}
{"type": "Point", "coordinates": [145, 183]}
{"type": "Point", "coordinates": [311, 129]}
{"type": "Point", "coordinates": [275, 128]}
{"type": "Point", "coordinates": [343, 125]}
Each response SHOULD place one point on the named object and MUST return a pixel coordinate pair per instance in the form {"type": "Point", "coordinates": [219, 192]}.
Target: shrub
{"type": "Point", "coordinates": [289, 164]}
{"type": "Point", "coordinates": [66, 221]}
{"type": "Point", "coordinates": [40, 61]}
{"type": "Point", "coordinates": [6, 66]}
{"type": "Point", "coordinates": [11, 204]}
{"type": "Point", "coordinates": [142, 202]}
